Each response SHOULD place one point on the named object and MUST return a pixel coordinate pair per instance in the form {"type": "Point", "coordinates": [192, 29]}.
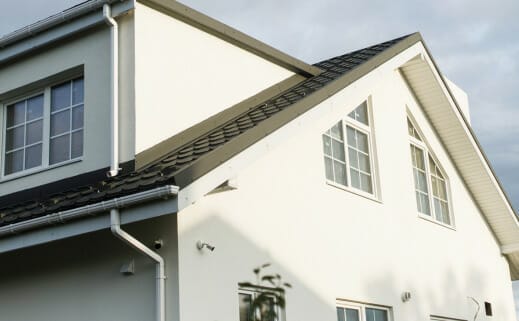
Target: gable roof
{"type": "Point", "coordinates": [209, 144]}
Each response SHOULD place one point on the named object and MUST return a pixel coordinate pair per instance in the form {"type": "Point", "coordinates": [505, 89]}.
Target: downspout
{"type": "Point", "coordinates": [115, 226]}
{"type": "Point", "coordinates": [114, 90]}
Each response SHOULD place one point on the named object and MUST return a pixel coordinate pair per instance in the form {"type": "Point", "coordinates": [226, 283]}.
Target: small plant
{"type": "Point", "coordinates": [269, 298]}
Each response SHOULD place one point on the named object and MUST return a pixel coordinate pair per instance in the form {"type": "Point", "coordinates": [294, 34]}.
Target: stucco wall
{"type": "Point", "coordinates": [79, 279]}
{"type": "Point", "coordinates": [185, 75]}
{"type": "Point", "coordinates": [333, 244]}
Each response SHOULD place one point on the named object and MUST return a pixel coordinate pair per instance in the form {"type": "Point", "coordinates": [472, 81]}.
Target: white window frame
{"type": "Point", "coordinates": [424, 146]}
{"type": "Point", "coordinates": [280, 313]}
{"type": "Point", "coordinates": [45, 163]}
{"type": "Point", "coordinates": [369, 132]}
{"type": "Point", "coordinates": [440, 318]}
{"type": "Point", "coordinates": [360, 306]}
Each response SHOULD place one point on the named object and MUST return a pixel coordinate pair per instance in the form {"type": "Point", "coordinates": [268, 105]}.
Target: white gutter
{"type": "Point", "coordinates": [88, 210]}
{"type": "Point", "coordinates": [114, 92]}
{"type": "Point", "coordinates": [52, 21]}
{"type": "Point", "coordinates": [159, 262]}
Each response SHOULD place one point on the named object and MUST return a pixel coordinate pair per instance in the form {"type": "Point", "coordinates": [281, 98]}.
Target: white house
{"type": "Point", "coordinates": [151, 157]}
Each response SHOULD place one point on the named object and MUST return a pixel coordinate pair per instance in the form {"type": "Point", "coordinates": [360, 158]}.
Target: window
{"type": "Point", "coordinates": [246, 297]}
{"type": "Point", "coordinates": [429, 181]}
{"type": "Point", "coordinates": [347, 151]}
{"type": "Point", "coordinates": [361, 312]}
{"type": "Point", "coordinates": [44, 129]}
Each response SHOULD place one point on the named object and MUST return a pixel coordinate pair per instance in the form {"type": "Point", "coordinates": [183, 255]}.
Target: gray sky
{"type": "Point", "coordinates": [474, 42]}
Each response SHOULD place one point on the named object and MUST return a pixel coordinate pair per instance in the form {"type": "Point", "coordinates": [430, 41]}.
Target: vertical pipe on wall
{"type": "Point", "coordinates": [114, 92]}
{"type": "Point", "coordinates": [115, 226]}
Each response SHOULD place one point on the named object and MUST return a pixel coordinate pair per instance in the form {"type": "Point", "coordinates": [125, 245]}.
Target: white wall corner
{"type": "Point", "coordinates": [461, 97]}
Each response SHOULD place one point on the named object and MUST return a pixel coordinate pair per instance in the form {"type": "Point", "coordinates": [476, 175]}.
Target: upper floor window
{"type": "Point", "coordinates": [348, 151]}
{"type": "Point", "coordinates": [361, 312]}
{"type": "Point", "coordinates": [429, 180]}
{"type": "Point", "coordinates": [44, 129]}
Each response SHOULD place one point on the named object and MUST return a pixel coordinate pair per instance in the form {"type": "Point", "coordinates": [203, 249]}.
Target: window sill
{"type": "Point", "coordinates": [36, 170]}
{"type": "Point", "coordinates": [430, 219]}
{"type": "Point", "coordinates": [354, 191]}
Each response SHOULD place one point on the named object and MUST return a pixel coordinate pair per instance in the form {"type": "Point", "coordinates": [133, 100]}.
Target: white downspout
{"type": "Point", "coordinates": [115, 226]}
{"type": "Point", "coordinates": [114, 92]}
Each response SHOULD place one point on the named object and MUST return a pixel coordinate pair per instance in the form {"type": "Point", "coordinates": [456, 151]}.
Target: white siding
{"type": "Point", "coordinates": [332, 244]}
{"type": "Point", "coordinates": [184, 75]}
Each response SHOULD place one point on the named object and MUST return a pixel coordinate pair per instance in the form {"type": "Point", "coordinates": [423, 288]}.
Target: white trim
{"type": "Point", "coordinates": [361, 306]}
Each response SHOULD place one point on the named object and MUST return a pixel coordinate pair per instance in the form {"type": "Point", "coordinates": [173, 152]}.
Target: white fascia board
{"type": "Point", "coordinates": [470, 134]}
{"type": "Point", "coordinates": [86, 225]}
{"type": "Point", "coordinates": [61, 31]}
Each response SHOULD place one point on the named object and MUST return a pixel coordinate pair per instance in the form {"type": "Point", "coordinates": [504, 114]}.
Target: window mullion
{"type": "Point", "coordinates": [429, 185]}
{"type": "Point", "coordinates": [346, 152]}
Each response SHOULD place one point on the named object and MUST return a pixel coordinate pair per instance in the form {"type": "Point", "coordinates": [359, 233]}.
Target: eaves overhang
{"type": "Point", "coordinates": [442, 110]}
{"type": "Point", "coordinates": [80, 18]}
{"type": "Point", "coordinates": [88, 218]}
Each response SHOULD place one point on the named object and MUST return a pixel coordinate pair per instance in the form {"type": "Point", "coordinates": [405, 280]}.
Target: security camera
{"type": "Point", "coordinates": [157, 244]}
{"type": "Point", "coordinates": [200, 245]}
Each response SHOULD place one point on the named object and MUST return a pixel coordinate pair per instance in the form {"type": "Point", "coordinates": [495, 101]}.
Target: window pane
{"type": "Point", "coordinates": [14, 138]}
{"type": "Point", "coordinates": [14, 162]}
{"type": "Point", "coordinates": [338, 150]}
{"type": "Point", "coordinates": [376, 315]}
{"type": "Point", "coordinates": [16, 114]}
{"type": "Point", "coordinates": [60, 96]}
{"type": "Point", "coordinates": [442, 190]}
{"type": "Point", "coordinates": [352, 139]}
{"type": "Point", "coordinates": [362, 142]}
{"type": "Point", "coordinates": [245, 305]}
{"type": "Point", "coordinates": [365, 183]}
{"type": "Point", "coordinates": [77, 144]}
{"type": "Point", "coordinates": [340, 172]}
{"type": "Point", "coordinates": [354, 158]}
{"type": "Point", "coordinates": [77, 91]}
{"type": "Point", "coordinates": [59, 149]}
{"type": "Point", "coordinates": [77, 117]}
{"type": "Point", "coordinates": [423, 201]}
{"type": "Point", "coordinates": [34, 132]}
{"type": "Point", "coordinates": [420, 181]}
{"type": "Point", "coordinates": [340, 314]}
{"type": "Point", "coordinates": [355, 178]}
{"type": "Point", "coordinates": [352, 315]}
{"type": "Point", "coordinates": [362, 113]}
{"type": "Point", "coordinates": [336, 131]}
{"type": "Point", "coordinates": [327, 145]}
{"type": "Point", "coordinates": [60, 123]}
{"type": "Point", "coordinates": [35, 107]}
{"type": "Point", "coordinates": [419, 159]}
{"type": "Point", "coordinates": [364, 163]}
{"type": "Point", "coordinates": [445, 213]}
{"type": "Point", "coordinates": [328, 164]}
{"type": "Point", "coordinates": [33, 156]}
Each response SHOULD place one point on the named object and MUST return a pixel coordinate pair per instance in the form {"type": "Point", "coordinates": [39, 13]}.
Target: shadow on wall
{"type": "Point", "coordinates": [79, 278]}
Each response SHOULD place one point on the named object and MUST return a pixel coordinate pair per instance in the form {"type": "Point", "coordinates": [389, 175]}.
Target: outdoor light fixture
{"type": "Point", "coordinates": [406, 296]}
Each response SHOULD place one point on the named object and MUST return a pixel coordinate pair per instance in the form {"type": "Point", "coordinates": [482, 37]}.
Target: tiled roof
{"type": "Point", "coordinates": [178, 166]}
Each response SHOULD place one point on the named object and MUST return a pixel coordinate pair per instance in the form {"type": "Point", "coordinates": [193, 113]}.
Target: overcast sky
{"type": "Point", "coordinates": [474, 42]}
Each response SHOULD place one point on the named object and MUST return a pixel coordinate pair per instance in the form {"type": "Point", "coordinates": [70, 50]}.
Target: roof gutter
{"type": "Point", "coordinates": [89, 210]}
{"type": "Point", "coordinates": [52, 21]}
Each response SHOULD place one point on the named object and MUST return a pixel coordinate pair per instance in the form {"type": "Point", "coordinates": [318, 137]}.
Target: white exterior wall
{"type": "Point", "coordinates": [185, 75]}
{"type": "Point", "coordinates": [333, 244]}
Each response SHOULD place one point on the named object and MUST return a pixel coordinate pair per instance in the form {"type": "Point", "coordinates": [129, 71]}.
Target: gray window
{"type": "Point", "coordinates": [44, 129]}
{"type": "Point", "coordinates": [347, 151]}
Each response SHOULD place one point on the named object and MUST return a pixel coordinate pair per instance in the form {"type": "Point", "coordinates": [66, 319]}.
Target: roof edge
{"type": "Point", "coordinates": [161, 149]}
{"type": "Point", "coordinates": [223, 153]}
{"type": "Point", "coordinates": [229, 34]}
